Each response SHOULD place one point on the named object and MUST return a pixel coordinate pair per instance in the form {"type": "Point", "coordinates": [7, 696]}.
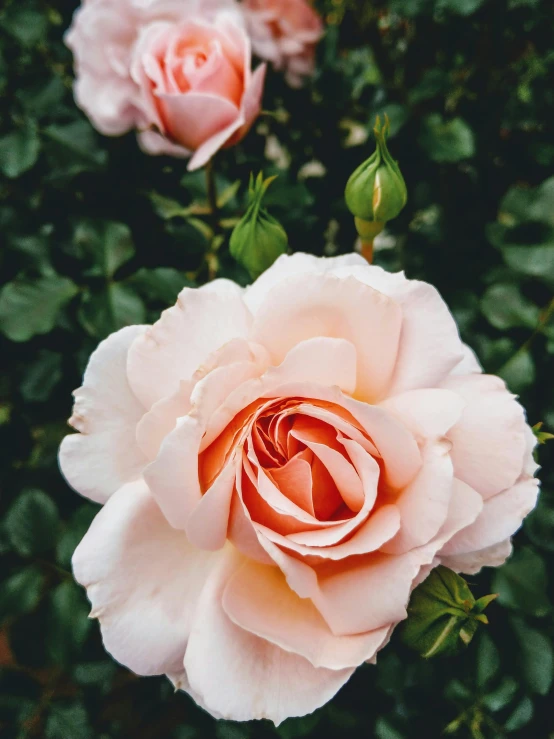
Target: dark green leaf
{"type": "Point", "coordinates": [21, 592]}
{"type": "Point", "coordinates": [117, 306]}
{"type": "Point", "coordinates": [32, 523]}
{"type": "Point", "coordinates": [19, 150]}
{"type": "Point", "coordinates": [41, 376]}
{"type": "Point", "coordinates": [68, 722]}
{"type": "Point", "coordinates": [447, 141]}
{"type": "Point", "coordinates": [536, 657]}
{"type": "Point", "coordinates": [521, 583]}
{"type": "Point", "coordinates": [109, 243]}
{"type": "Point", "coordinates": [29, 308]}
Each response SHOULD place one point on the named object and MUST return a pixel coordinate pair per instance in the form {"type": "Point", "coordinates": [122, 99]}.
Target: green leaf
{"type": "Point", "coordinates": [68, 624]}
{"type": "Point", "coordinates": [75, 529]}
{"type": "Point", "coordinates": [19, 151]}
{"type": "Point", "coordinates": [162, 283]}
{"type": "Point", "coordinates": [109, 243]}
{"type": "Point", "coordinates": [32, 523]}
{"type": "Point", "coordinates": [68, 722]}
{"type": "Point", "coordinates": [536, 657]}
{"type": "Point", "coordinates": [539, 525]}
{"type": "Point", "coordinates": [460, 7]}
{"type": "Point", "coordinates": [115, 307]}
{"type": "Point", "coordinates": [25, 22]}
{"type": "Point", "coordinates": [41, 376]}
{"type": "Point", "coordinates": [21, 592]}
{"type": "Point", "coordinates": [522, 582]}
{"type": "Point", "coordinates": [73, 148]}
{"type": "Point", "coordinates": [504, 307]}
{"type": "Point", "coordinates": [30, 308]}
{"type": "Point", "coordinates": [488, 661]}
{"type": "Point", "coordinates": [520, 716]}
{"type": "Point", "coordinates": [519, 371]}
{"type": "Point", "coordinates": [447, 141]}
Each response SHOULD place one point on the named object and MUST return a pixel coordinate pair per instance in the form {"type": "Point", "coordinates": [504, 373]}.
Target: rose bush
{"type": "Point", "coordinates": [178, 72]}
{"type": "Point", "coordinates": [285, 33]}
{"type": "Point", "coordinates": [280, 466]}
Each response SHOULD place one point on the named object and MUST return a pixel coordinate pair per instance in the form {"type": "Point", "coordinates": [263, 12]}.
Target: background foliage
{"type": "Point", "coordinates": [95, 235]}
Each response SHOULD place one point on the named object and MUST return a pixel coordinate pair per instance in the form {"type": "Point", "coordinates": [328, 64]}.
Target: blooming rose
{"type": "Point", "coordinates": [280, 466]}
{"type": "Point", "coordinates": [179, 71]}
{"type": "Point", "coordinates": [285, 33]}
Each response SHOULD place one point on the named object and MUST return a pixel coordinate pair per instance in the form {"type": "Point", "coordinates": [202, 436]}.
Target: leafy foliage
{"type": "Point", "coordinates": [96, 235]}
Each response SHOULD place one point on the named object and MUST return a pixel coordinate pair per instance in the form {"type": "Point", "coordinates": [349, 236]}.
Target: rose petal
{"type": "Point", "coordinates": [258, 600]}
{"type": "Point", "coordinates": [143, 579]}
{"type": "Point", "coordinates": [104, 455]}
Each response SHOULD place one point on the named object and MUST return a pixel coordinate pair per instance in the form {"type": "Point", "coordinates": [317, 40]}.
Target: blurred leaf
{"type": "Point", "coordinates": [505, 307]}
{"type": "Point", "coordinates": [19, 150]}
{"type": "Point", "coordinates": [502, 695]}
{"type": "Point", "coordinates": [42, 98]}
{"type": "Point", "coordinates": [25, 22]}
{"type": "Point", "coordinates": [115, 307]}
{"type": "Point", "coordinates": [162, 283]}
{"type": "Point", "coordinates": [519, 371]}
{"type": "Point", "coordinates": [95, 673]}
{"type": "Point", "coordinates": [74, 531]}
{"type": "Point", "coordinates": [447, 141]}
{"type": "Point", "coordinates": [21, 592]}
{"type": "Point", "coordinates": [109, 243]}
{"type": "Point", "coordinates": [68, 722]}
{"type": "Point", "coordinates": [41, 376]}
{"type": "Point", "coordinates": [32, 523]}
{"type": "Point", "coordinates": [539, 525]}
{"type": "Point", "coordinates": [73, 148]}
{"type": "Point", "coordinates": [385, 730]}
{"type": "Point", "coordinates": [460, 7]}
{"type": "Point", "coordinates": [520, 717]}
{"type": "Point", "coordinates": [68, 622]}
{"type": "Point", "coordinates": [295, 728]}
{"type": "Point", "coordinates": [522, 582]}
{"type": "Point", "coordinates": [536, 657]}
{"type": "Point", "coordinates": [488, 661]}
{"type": "Point", "coordinates": [29, 308]}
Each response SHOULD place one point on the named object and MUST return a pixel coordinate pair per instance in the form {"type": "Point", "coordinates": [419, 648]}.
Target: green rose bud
{"type": "Point", "coordinates": [258, 239]}
{"type": "Point", "coordinates": [443, 615]}
{"type": "Point", "coordinates": [376, 191]}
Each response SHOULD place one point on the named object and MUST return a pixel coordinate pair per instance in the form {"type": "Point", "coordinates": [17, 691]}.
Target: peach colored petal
{"type": "Point", "coordinates": [143, 579]}
{"type": "Point", "coordinates": [322, 305]}
{"type": "Point", "coordinates": [207, 524]}
{"type": "Point", "coordinates": [257, 599]}
{"type": "Point", "coordinates": [255, 679]}
{"type": "Point", "coordinates": [488, 442]}
{"type": "Point", "coordinates": [294, 480]}
{"type": "Point", "coordinates": [428, 413]}
{"type": "Point", "coordinates": [471, 562]}
{"type": "Point", "coordinates": [424, 503]}
{"type": "Point", "coordinates": [202, 320]}
{"type": "Point", "coordinates": [104, 455]}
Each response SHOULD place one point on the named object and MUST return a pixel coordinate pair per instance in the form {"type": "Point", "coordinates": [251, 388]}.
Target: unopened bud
{"type": "Point", "coordinates": [376, 191]}
{"type": "Point", "coordinates": [258, 238]}
{"type": "Point", "coordinates": [443, 615]}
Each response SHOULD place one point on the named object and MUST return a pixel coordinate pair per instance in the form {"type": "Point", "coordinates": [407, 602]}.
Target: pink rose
{"type": "Point", "coordinates": [285, 33]}
{"type": "Point", "coordinates": [280, 466]}
{"type": "Point", "coordinates": [178, 71]}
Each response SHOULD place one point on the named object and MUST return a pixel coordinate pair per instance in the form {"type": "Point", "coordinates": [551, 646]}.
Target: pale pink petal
{"type": "Point", "coordinates": [469, 364]}
{"type": "Point", "coordinates": [295, 264]}
{"type": "Point", "coordinates": [312, 306]}
{"type": "Point", "coordinates": [207, 524]}
{"type": "Point", "coordinates": [143, 579]}
{"type": "Point", "coordinates": [471, 562]}
{"type": "Point", "coordinates": [154, 143]}
{"type": "Point", "coordinates": [104, 455]}
{"type": "Point", "coordinates": [193, 118]}
{"type": "Point", "coordinates": [429, 413]}
{"type": "Point", "coordinates": [371, 593]}
{"type": "Point", "coordinates": [430, 345]}
{"type": "Point", "coordinates": [501, 517]}
{"type": "Point", "coordinates": [250, 106]}
{"type": "Point", "coordinates": [160, 420]}
{"type": "Point", "coordinates": [202, 321]}
{"type": "Point", "coordinates": [488, 442]}
{"type": "Point", "coordinates": [258, 599]}
{"type": "Point", "coordinates": [424, 503]}
{"type": "Point", "coordinates": [465, 506]}
{"type": "Point", "coordinates": [255, 679]}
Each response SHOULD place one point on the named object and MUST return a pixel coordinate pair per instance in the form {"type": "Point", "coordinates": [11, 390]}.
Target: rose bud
{"type": "Point", "coordinates": [443, 615]}
{"type": "Point", "coordinates": [376, 191]}
{"type": "Point", "coordinates": [258, 239]}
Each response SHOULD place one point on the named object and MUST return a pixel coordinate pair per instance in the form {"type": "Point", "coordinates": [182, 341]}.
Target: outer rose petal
{"type": "Point", "coordinates": [255, 679]}
{"type": "Point", "coordinates": [105, 455]}
{"type": "Point", "coordinates": [322, 305]}
{"type": "Point", "coordinates": [202, 320]}
{"type": "Point", "coordinates": [472, 562]}
{"type": "Point", "coordinates": [258, 599]}
{"type": "Point", "coordinates": [502, 516]}
{"type": "Point", "coordinates": [143, 579]}
{"type": "Point", "coordinates": [430, 345]}
{"type": "Point", "coordinates": [489, 441]}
